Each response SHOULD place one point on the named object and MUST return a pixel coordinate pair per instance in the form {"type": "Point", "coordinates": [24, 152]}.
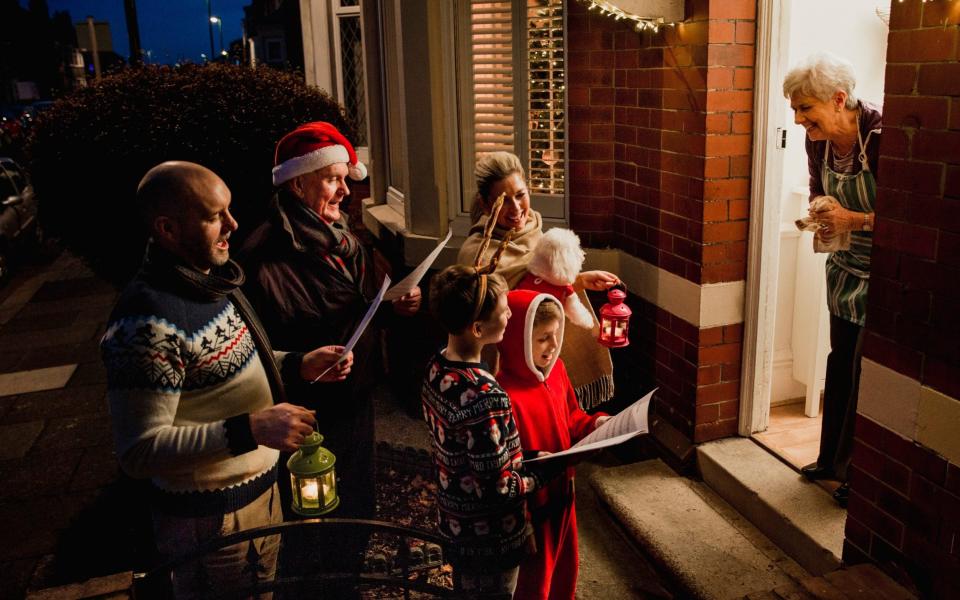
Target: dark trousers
{"type": "Point", "coordinates": [840, 396]}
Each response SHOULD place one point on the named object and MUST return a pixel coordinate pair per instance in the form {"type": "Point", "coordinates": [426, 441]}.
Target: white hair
{"type": "Point", "coordinates": [821, 75]}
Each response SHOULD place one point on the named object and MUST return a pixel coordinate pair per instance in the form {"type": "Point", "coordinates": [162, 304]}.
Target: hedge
{"type": "Point", "coordinates": [89, 151]}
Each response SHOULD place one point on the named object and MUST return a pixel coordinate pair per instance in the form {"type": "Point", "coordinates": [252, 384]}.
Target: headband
{"type": "Point", "coordinates": [490, 267]}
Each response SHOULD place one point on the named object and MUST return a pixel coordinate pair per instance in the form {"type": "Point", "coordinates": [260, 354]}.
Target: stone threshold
{"type": "Point", "coordinates": [753, 527]}
{"type": "Point", "coordinates": [692, 535]}
{"type": "Point", "coordinates": [801, 517]}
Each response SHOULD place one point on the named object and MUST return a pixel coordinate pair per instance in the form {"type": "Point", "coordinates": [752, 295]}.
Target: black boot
{"type": "Point", "coordinates": [813, 472]}
{"type": "Point", "coordinates": [841, 494]}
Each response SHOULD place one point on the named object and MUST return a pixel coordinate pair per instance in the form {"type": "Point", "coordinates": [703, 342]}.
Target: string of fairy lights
{"type": "Point", "coordinates": [639, 23]}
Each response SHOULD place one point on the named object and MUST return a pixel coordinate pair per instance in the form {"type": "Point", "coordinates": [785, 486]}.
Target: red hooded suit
{"type": "Point", "coordinates": [548, 418]}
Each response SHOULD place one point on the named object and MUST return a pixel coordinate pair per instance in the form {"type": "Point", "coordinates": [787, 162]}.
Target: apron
{"type": "Point", "coordinates": [848, 271]}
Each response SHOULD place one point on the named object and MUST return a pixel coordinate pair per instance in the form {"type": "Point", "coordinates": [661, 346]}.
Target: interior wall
{"type": "Point", "coordinates": [853, 31]}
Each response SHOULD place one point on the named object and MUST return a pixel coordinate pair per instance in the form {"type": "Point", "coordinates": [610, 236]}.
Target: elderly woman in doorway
{"type": "Point", "coordinates": [588, 363]}
{"type": "Point", "coordinates": [843, 141]}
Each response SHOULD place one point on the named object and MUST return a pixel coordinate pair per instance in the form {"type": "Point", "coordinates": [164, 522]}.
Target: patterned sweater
{"type": "Point", "coordinates": [480, 501]}
{"type": "Point", "coordinates": [183, 375]}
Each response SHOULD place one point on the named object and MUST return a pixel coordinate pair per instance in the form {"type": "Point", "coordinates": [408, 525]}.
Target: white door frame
{"type": "Point", "coordinates": [763, 246]}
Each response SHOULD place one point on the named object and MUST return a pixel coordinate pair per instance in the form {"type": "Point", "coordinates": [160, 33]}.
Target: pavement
{"type": "Point", "coordinates": [56, 455]}
{"type": "Point", "coordinates": [67, 514]}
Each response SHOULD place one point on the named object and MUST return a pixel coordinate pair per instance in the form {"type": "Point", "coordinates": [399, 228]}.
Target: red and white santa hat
{"type": "Point", "coordinates": [314, 146]}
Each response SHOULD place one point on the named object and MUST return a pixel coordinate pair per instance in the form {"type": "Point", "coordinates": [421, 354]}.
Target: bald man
{"type": "Point", "coordinates": [195, 390]}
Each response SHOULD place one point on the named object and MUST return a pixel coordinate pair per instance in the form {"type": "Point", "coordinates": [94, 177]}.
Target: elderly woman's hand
{"type": "Point", "coordinates": [316, 362]}
{"type": "Point", "coordinates": [596, 281]}
{"type": "Point", "coordinates": [836, 221]}
{"type": "Point", "coordinates": [408, 304]}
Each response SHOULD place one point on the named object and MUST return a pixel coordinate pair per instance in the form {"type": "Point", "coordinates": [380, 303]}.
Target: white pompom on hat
{"type": "Point", "coordinates": [554, 265]}
{"type": "Point", "coordinates": [314, 146]}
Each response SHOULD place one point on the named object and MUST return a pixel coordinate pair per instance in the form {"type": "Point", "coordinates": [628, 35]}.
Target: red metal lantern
{"type": "Point", "coordinates": [615, 319]}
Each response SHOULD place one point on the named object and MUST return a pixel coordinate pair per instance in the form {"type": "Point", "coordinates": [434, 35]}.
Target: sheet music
{"type": "Point", "coordinates": [406, 285]}
{"type": "Point", "coordinates": [631, 419]}
{"type": "Point", "coordinates": [630, 423]}
{"type": "Point", "coordinates": [361, 327]}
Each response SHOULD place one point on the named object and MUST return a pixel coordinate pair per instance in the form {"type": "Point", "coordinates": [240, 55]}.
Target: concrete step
{"type": "Point", "coordinates": [691, 533]}
{"type": "Point", "coordinates": [868, 582]}
{"type": "Point", "coordinates": [859, 582]}
{"type": "Point", "coordinates": [800, 517]}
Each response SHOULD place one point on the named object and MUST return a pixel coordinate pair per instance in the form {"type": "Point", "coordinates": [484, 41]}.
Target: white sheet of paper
{"type": "Point", "coordinates": [630, 423]}
{"type": "Point", "coordinates": [406, 285]}
{"type": "Point", "coordinates": [361, 327]}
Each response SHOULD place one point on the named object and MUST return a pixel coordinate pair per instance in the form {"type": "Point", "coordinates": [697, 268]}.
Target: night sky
{"type": "Point", "coordinates": [170, 29]}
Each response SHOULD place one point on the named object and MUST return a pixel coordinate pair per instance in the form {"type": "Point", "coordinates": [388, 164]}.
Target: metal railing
{"type": "Point", "coordinates": [380, 572]}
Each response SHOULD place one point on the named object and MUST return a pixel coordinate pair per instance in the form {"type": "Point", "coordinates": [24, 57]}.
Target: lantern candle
{"type": "Point", "coordinates": [309, 491]}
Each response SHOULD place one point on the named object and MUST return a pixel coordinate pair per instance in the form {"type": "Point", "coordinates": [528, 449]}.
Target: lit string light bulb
{"type": "Point", "coordinates": [640, 23]}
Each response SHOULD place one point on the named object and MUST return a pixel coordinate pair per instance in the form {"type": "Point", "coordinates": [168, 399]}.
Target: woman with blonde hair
{"type": "Point", "coordinates": [843, 142]}
{"type": "Point", "coordinates": [591, 369]}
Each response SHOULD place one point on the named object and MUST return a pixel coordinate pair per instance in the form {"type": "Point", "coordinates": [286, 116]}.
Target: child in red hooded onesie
{"type": "Point", "coordinates": [549, 419]}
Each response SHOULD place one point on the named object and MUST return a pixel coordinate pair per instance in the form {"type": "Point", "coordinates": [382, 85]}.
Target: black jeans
{"type": "Point", "coordinates": [840, 396]}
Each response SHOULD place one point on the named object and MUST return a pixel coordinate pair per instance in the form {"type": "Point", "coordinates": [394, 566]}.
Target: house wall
{"type": "Point", "coordinates": [660, 134]}
{"type": "Point", "coordinates": [904, 510]}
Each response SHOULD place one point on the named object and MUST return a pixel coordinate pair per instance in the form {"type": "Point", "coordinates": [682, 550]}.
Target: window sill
{"type": "Point", "coordinates": [388, 226]}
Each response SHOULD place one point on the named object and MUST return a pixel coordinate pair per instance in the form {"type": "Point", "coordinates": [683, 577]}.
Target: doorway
{"type": "Point", "coordinates": [786, 334]}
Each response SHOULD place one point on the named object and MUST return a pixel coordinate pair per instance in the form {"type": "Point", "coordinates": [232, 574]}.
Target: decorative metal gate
{"type": "Point", "coordinates": [410, 556]}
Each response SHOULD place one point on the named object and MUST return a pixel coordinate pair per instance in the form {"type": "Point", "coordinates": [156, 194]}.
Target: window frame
{"type": "Point", "coordinates": [338, 12]}
{"type": "Point", "coordinates": [555, 214]}
{"type": "Point", "coordinates": [278, 43]}
{"type": "Point", "coordinates": [415, 115]}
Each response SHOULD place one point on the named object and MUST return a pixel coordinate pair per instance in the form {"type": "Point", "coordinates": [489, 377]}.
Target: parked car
{"type": "Point", "coordinates": [18, 212]}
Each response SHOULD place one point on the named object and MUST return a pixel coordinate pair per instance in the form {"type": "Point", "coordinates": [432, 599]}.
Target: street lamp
{"type": "Point", "coordinates": [210, 27]}
{"type": "Point", "coordinates": [219, 23]}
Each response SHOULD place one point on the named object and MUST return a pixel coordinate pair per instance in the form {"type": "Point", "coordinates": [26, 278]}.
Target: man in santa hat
{"type": "Point", "coordinates": [310, 278]}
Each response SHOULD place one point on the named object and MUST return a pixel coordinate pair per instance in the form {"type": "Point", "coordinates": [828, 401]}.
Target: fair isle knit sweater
{"type": "Point", "coordinates": [183, 376]}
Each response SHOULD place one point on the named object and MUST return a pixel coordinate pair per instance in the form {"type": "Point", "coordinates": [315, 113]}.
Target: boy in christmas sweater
{"type": "Point", "coordinates": [549, 419]}
{"type": "Point", "coordinates": [481, 504]}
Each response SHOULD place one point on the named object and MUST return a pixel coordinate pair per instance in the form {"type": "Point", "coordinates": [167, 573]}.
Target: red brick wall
{"type": "Point", "coordinates": [590, 96]}
{"type": "Point", "coordinates": [660, 138]}
{"type": "Point", "coordinates": [904, 511]}
{"type": "Point", "coordinates": [915, 276]}
{"type": "Point", "coordinates": [905, 505]}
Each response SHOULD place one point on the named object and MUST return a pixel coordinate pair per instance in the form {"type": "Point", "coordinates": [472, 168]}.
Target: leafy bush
{"type": "Point", "coordinates": [89, 151]}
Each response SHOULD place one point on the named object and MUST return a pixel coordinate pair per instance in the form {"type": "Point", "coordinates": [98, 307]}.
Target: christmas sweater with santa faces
{"type": "Point", "coordinates": [477, 454]}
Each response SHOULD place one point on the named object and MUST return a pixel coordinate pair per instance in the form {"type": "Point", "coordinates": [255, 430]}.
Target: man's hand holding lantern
{"type": "Point", "coordinates": [282, 426]}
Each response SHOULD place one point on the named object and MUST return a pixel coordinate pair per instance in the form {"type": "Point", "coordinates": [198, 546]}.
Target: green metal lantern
{"type": "Point", "coordinates": [313, 478]}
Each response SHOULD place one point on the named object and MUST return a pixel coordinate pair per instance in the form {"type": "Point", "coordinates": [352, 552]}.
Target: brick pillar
{"type": "Point", "coordinates": [904, 510]}
{"type": "Point", "coordinates": [660, 140]}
